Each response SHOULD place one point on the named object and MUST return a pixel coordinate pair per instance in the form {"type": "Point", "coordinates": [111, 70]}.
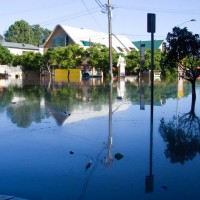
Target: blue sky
{"type": "Point", "coordinates": [129, 17]}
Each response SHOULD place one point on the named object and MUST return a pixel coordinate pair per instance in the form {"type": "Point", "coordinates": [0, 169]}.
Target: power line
{"type": "Point", "coordinates": [90, 12]}
{"type": "Point", "coordinates": [103, 7]}
{"type": "Point", "coordinates": [76, 15]}
{"type": "Point", "coordinates": [162, 10]}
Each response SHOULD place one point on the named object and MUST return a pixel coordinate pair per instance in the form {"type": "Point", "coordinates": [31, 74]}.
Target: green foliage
{"type": "Point", "coordinates": [22, 32]}
{"type": "Point", "coordinates": [40, 34]}
{"type": "Point", "coordinates": [29, 61]}
{"type": "Point", "coordinates": [133, 61]}
{"type": "Point", "coordinates": [50, 57]}
{"type": "Point", "coordinates": [1, 38]}
{"type": "Point", "coordinates": [5, 56]}
{"type": "Point", "coordinates": [183, 51]}
{"type": "Point", "coordinates": [16, 60]}
{"type": "Point", "coordinates": [64, 57]}
{"type": "Point", "coordinates": [98, 57]}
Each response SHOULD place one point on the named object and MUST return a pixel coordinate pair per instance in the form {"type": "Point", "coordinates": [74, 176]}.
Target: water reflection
{"type": "Point", "coordinates": [83, 117]}
{"type": "Point", "coordinates": [108, 160]}
{"type": "Point", "coordinates": [182, 135]}
{"type": "Point", "coordinates": [149, 181]}
{"type": "Point", "coordinates": [25, 107]}
{"type": "Point", "coordinates": [67, 102]}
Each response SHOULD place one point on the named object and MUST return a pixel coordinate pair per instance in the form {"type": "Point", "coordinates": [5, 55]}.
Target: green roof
{"type": "Point", "coordinates": [157, 44]}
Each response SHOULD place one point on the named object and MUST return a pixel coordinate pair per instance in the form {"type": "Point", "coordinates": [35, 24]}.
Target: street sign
{"type": "Point", "coordinates": [151, 23]}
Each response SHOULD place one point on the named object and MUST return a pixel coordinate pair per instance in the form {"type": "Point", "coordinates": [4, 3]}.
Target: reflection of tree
{"type": "Point", "coordinates": [24, 113]}
{"type": "Point", "coordinates": [182, 136]}
{"type": "Point", "coordinates": [27, 107]}
{"type": "Point", "coordinates": [6, 95]}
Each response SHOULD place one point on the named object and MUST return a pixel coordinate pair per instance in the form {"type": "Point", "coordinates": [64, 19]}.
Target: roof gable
{"type": "Point", "coordinates": [83, 37]}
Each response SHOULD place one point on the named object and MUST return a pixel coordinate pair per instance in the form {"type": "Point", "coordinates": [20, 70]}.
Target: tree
{"type": "Point", "coordinates": [1, 38]}
{"type": "Point", "coordinates": [63, 57]}
{"type": "Point", "coordinates": [98, 57]}
{"type": "Point", "coordinates": [49, 59]}
{"type": "Point", "coordinates": [133, 62]}
{"type": "Point", "coordinates": [183, 52]}
{"type": "Point", "coordinates": [29, 61]}
{"type": "Point", "coordinates": [46, 32]}
{"type": "Point", "coordinates": [5, 56]}
{"type": "Point", "coordinates": [69, 56]}
{"type": "Point", "coordinates": [22, 32]}
{"type": "Point", "coordinates": [40, 34]}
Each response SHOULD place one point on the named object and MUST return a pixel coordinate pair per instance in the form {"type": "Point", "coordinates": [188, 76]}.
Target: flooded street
{"type": "Point", "coordinates": [92, 140]}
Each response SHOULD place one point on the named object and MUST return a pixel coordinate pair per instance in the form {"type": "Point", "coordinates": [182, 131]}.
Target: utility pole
{"type": "Point", "coordinates": [109, 8]}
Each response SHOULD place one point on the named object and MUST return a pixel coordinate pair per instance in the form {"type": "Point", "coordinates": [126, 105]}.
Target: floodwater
{"type": "Point", "coordinates": [97, 140]}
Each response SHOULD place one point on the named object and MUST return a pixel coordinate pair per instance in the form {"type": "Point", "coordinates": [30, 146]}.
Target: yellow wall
{"type": "Point", "coordinates": [61, 75]}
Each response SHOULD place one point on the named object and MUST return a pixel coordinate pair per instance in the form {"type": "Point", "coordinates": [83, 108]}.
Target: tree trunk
{"type": "Point", "coordinates": [192, 111]}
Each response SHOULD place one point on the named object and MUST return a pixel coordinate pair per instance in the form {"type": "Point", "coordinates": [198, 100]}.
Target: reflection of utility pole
{"type": "Point", "coordinates": [109, 159]}
{"type": "Point", "coordinates": [142, 102]}
{"type": "Point", "coordinates": [150, 178]}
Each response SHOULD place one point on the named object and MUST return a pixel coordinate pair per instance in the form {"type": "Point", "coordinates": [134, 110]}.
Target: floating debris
{"type": "Point", "coordinates": [118, 156]}
{"type": "Point", "coordinates": [164, 187]}
{"type": "Point", "coordinates": [67, 113]}
{"type": "Point", "coordinates": [71, 152]}
{"type": "Point", "coordinates": [88, 165]}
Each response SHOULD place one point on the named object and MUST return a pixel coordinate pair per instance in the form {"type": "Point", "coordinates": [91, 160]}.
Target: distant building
{"type": "Point", "coordinates": [65, 35]}
{"type": "Point", "coordinates": [20, 48]}
{"type": "Point", "coordinates": [158, 44]}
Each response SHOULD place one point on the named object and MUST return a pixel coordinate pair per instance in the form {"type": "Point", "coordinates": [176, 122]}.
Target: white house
{"type": "Point", "coordinates": [20, 48]}
{"type": "Point", "coordinates": [63, 35]}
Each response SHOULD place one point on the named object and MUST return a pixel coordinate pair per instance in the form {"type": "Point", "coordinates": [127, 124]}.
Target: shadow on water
{"type": "Point", "coordinates": [182, 135]}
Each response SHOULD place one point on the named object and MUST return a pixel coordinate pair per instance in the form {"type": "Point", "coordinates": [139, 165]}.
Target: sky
{"type": "Point", "coordinates": [129, 17]}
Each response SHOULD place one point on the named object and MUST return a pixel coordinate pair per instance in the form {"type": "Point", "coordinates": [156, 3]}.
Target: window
{"type": "Point", "coordinates": [59, 41]}
{"type": "Point", "coordinates": [120, 49]}
{"type": "Point", "coordinates": [86, 43]}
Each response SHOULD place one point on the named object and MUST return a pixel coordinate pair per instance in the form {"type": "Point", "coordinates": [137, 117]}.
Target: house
{"type": "Point", "coordinates": [63, 35]}
{"type": "Point", "coordinates": [158, 44]}
{"type": "Point", "coordinates": [20, 48]}
{"type": "Point", "coordinates": [16, 49]}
